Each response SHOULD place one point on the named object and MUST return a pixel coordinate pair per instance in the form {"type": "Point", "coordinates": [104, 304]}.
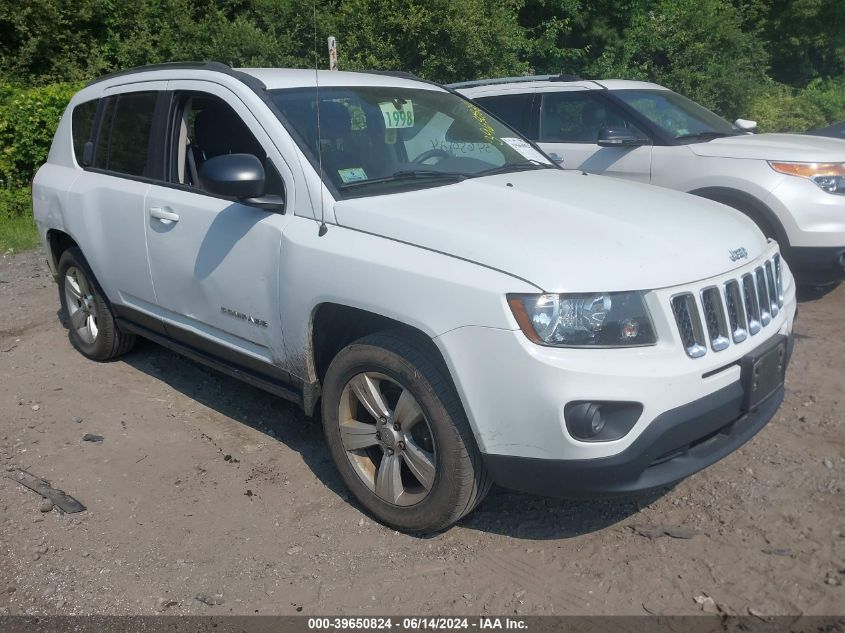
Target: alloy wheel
{"type": "Point", "coordinates": [387, 438]}
{"type": "Point", "coordinates": [81, 308]}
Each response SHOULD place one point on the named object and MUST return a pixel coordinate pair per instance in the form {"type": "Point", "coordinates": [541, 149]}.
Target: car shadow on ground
{"type": "Point", "coordinates": [807, 294]}
{"type": "Point", "coordinates": [503, 512]}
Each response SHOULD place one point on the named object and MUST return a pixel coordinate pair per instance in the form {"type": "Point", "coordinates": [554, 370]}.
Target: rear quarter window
{"type": "Point", "coordinates": [82, 126]}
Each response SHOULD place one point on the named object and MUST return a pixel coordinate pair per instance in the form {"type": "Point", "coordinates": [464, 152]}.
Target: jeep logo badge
{"type": "Point", "coordinates": [739, 253]}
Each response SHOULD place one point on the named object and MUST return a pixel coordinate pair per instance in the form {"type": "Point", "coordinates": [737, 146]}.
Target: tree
{"type": "Point", "coordinates": [696, 47]}
{"type": "Point", "coordinates": [441, 40]}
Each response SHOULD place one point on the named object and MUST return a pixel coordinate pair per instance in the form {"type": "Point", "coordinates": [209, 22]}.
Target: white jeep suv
{"type": "Point", "coordinates": [462, 310]}
{"type": "Point", "coordinates": [791, 185]}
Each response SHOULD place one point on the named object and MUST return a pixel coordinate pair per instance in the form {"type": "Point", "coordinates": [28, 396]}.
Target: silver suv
{"type": "Point", "coordinates": [791, 185]}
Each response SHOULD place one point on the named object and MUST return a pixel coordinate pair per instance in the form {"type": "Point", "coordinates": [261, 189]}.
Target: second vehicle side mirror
{"type": "Point", "coordinates": [620, 137]}
{"type": "Point", "coordinates": [745, 125]}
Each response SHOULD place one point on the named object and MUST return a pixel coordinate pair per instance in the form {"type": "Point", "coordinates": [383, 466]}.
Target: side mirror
{"type": "Point", "coordinates": [620, 137]}
{"type": "Point", "coordinates": [239, 176]}
{"type": "Point", "coordinates": [556, 158]}
{"type": "Point", "coordinates": [745, 125]}
{"type": "Point", "coordinates": [233, 175]}
{"type": "Point", "coordinates": [87, 154]}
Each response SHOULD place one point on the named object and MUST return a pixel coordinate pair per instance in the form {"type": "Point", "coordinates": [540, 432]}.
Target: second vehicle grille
{"type": "Point", "coordinates": [730, 312]}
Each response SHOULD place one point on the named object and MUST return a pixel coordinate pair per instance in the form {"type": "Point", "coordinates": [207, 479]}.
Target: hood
{"type": "Point", "coordinates": [787, 147]}
{"type": "Point", "coordinates": [565, 232]}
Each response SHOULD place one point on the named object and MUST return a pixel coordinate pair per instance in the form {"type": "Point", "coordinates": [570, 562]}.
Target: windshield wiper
{"type": "Point", "coordinates": [408, 174]}
{"type": "Point", "coordinates": [709, 135]}
{"type": "Point", "coordinates": [520, 166]}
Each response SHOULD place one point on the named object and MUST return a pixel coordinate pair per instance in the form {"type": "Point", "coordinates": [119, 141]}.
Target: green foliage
{"type": "Point", "coordinates": [17, 226]}
{"type": "Point", "coordinates": [782, 109]}
{"type": "Point", "coordinates": [28, 120]}
{"type": "Point", "coordinates": [697, 48]}
{"type": "Point", "coordinates": [805, 38]}
{"type": "Point", "coordinates": [440, 40]}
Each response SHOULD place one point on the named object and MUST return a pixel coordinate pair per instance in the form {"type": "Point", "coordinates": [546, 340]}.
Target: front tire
{"type": "Point", "coordinates": [399, 436]}
{"type": "Point", "coordinates": [91, 326]}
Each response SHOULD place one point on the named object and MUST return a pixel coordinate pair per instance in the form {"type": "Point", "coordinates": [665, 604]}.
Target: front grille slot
{"type": "Point", "coordinates": [752, 306]}
{"type": "Point", "coordinates": [763, 296]}
{"type": "Point", "coordinates": [736, 311]}
{"type": "Point", "coordinates": [718, 316]}
{"type": "Point", "coordinates": [779, 280]}
{"type": "Point", "coordinates": [689, 324]}
{"type": "Point", "coordinates": [773, 293]}
{"type": "Point", "coordinates": [714, 318]}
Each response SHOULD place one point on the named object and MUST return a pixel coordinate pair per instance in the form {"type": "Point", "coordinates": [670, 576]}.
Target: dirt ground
{"type": "Point", "coordinates": [207, 496]}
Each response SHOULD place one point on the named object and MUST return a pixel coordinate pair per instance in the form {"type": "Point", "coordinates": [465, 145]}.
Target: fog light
{"type": "Point", "coordinates": [601, 421]}
{"type": "Point", "coordinates": [585, 420]}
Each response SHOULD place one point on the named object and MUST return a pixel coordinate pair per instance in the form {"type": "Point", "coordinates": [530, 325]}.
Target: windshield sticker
{"type": "Point", "coordinates": [352, 174]}
{"type": "Point", "coordinates": [524, 148]}
{"type": "Point", "coordinates": [397, 113]}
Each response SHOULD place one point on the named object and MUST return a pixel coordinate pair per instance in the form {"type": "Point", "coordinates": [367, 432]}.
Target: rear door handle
{"type": "Point", "coordinates": [164, 214]}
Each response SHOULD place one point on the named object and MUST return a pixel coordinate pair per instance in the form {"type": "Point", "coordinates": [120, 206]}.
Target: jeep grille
{"type": "Point", "coordinates": [732, 312]}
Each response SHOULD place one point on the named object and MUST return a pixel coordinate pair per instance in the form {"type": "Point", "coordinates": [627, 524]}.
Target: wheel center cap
{"type": "Point", "coordinates": [389, 437]}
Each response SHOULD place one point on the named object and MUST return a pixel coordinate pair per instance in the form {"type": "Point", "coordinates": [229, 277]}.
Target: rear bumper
{"type": "Point", "coordinates": [676, 444]}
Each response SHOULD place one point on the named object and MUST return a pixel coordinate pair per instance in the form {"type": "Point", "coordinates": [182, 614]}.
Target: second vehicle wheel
{"type": "Point", "coordinates": [91, 326]}
{"type": "Point", "coordinates": [399, 436]}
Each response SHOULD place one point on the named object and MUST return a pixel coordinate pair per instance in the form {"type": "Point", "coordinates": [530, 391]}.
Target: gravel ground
{"type": "Point", "coordinates": [207, 496]}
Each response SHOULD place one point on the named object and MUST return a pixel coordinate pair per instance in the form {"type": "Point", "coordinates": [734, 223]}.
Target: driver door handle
{"type": "Point", "coordinates": [164, 214]}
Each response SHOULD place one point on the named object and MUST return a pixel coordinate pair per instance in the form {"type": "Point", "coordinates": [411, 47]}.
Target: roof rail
{"type": "Point", "coordinates": [218, 67]}
{"type": "Point", "coordinates": [509, 80]}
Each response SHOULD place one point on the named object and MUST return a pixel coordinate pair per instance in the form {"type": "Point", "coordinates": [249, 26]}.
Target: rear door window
{"type": "Point", "coordinates": [123, 144]}
{"type": "Point", "coordinates": [515, 110]}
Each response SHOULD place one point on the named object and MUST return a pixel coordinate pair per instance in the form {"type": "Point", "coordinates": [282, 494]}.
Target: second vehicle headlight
{"type": "Point", "coordinates": [829, 177]}
{"type": "Point", "coordinates": [605, 319]}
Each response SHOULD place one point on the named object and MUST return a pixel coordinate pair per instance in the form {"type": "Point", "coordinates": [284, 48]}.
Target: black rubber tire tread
{"type": "Point", "coordinates": [110, 343]}
{"type": "Point", "coordinates": [468, 483]}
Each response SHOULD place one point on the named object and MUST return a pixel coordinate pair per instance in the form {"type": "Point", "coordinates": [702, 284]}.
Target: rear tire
{"type": "Point", "coordinates": [91, 326]}
{"type": "Point", "coordinates": [399, 436]}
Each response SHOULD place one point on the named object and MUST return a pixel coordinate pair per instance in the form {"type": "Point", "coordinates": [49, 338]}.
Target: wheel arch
{"type": "Point", "coordinates": [58, 242]}
{"type": "Point", "coordinates": [759, 212]}
{"type": "Point", "coordinates": [334, 325]}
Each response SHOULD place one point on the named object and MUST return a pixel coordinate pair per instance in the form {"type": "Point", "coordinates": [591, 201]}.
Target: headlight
{"type": "Point", "coordinates": [606, 319]}
{"type": "Point", "coordinates": [829, 177]}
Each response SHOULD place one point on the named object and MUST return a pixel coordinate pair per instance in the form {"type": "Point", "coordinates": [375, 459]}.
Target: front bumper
{"type": "Point", "coordinates": [516, 393]}
{"type": "Point", "coordinates": [817, 265]}
{"type": "Point", "coordinates": [675, 445]}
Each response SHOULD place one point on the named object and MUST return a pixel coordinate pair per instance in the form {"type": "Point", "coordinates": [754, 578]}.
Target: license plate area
{"type": "Point", "coordinates": [763, 373]}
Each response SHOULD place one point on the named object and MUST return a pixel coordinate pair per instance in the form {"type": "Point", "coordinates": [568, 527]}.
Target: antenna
{"type": "Point", "coordinates": [323, 228]}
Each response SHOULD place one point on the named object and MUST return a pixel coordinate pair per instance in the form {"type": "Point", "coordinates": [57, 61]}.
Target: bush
{"type": "Point", "coordinates": [28, 120]}
{"type": "Point", "coordinates": [782, 109]}
{"type": "Point", "coordinates": [15, 201]}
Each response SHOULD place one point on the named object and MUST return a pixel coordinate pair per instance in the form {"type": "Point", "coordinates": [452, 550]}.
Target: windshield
{"type": "Point", "coordinates": [382, 139]}
{"type": "Point", "coordinates": [677, 115]}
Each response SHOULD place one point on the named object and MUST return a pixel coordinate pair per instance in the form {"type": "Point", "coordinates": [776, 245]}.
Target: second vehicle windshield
{"type": "Point", "coordinates": [677, 115]}
{"type": "Point", "coordinates": [382, 139]}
